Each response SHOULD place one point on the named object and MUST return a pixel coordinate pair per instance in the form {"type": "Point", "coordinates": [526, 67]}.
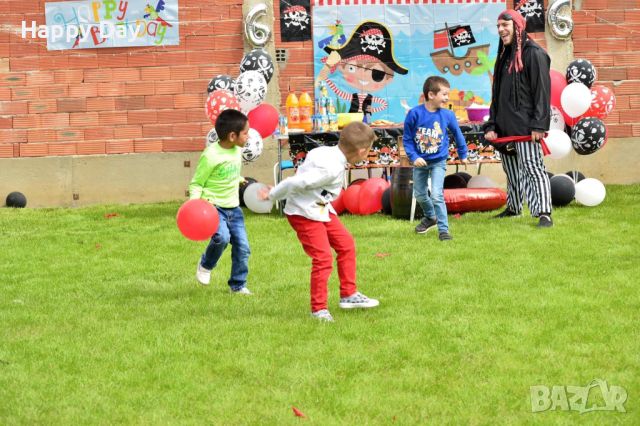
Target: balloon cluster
{"type": "Point", "coordinates": [362, 197]}
{"type": "Point", "coordinates": [579, 104]}
{"type": "Point", "coordinates": [573, 185]}
{"type": "Point", "coordinates": [245, 93]}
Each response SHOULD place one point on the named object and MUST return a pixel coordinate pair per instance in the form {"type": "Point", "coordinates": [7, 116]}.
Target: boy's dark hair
{"type": "Point", "coordinates": [356, 135]}
{"type": "Point", "coordinates": [230, 121]}
{"type": "Point", "coordinates": [433, 84]}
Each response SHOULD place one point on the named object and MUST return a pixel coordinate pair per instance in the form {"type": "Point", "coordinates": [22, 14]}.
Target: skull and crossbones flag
{"type": "Point", "coordinates": [295, 20]}
{"type": "Point", "coordinates": [533, 12]}
{"type": "Point", "coordinates": [461, 36]}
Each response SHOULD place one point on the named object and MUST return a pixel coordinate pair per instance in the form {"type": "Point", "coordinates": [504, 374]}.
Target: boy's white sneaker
{"type": "Point", "coordinates": [322, 315]}
{"type": "Point", "coordinates": [357, 300]}
{"type": "Point", "coordinates": [203, 275]}
{"type": "Point", "coordinates": [242, 290]}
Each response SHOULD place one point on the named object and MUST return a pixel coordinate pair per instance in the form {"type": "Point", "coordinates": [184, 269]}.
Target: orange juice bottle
{"type": "Point", "coordinates": [293, 112]}
{"type": "Point", "coordinates": [306, 111]}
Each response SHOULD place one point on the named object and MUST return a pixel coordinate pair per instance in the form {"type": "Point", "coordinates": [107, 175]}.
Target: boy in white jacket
{"type": "Point", "coordinates": [309, 194]}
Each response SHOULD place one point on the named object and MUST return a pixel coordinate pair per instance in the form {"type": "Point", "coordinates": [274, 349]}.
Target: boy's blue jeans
{"type": "Point", "coordinates": [231, 230]}
{"type": "Point", "coordinates": [433, 206]}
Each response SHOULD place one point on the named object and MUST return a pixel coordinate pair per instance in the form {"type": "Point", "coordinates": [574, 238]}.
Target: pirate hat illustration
{"type": "Point", "coordinates": [370, 39]}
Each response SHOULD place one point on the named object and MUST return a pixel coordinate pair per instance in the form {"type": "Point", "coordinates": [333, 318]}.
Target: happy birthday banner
{"type": "Point", "coordinates": [92, 24]}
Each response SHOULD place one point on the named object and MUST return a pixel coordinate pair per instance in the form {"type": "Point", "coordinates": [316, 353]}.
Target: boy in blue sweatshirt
{"type": "Point", "coordinates": [426, 142]}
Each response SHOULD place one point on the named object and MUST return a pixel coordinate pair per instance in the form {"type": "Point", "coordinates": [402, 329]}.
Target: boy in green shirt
{"type": "Point", "coordinates": [217, 179]}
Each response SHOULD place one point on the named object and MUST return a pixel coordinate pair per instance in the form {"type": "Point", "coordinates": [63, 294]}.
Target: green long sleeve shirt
{"type": "Point", "coordinates": [217, 176]}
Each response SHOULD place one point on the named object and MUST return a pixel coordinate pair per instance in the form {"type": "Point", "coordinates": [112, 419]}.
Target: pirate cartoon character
{"type": "Point", "coordinates": [428, 140]}
{"type": "Point", "coordinates": [367, 64]}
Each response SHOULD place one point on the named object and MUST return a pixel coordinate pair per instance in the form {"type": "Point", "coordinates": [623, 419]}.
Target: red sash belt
{"type": "Point", "coordinates": [507, 139]}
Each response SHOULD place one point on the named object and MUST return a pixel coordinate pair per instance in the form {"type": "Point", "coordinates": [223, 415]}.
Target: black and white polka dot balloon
{"type": "Point", "coordinates": [253, 147]}
{"type": "Point", "coordinates": [212, 137]}
{"type": "Point", "coordinates": [250, 90]}
{"type": "Point", "coordinates": [258, 60]}
{"type": "Point", "coordinates": [588, 135]}
{"type": "Point", "coordinates": [221, 81]}
{"type": "Point", "coordinates": [581, 71]}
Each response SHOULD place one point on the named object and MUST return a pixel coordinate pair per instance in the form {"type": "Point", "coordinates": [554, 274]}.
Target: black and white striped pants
{"type": "Point", "coordinates": [526, 175]}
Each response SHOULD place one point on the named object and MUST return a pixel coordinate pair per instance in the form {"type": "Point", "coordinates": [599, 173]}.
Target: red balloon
{"type": "Point", "coordinates": [264, 118]}
{"type": "Point", "coordinates": [558, 83]}
{"type": "Point", "coordinates": [370, 197]}
{"type": "Point", "coordinates": [338, 203]}
{"type": "Point", "coordinates": [352, 199]}
{"type": "Point", "coordinates": [571, 121]}
{"type": "Point", "coordinates": [218, 101]}
{"type": "Point", "coordinates": [197, 219]}
{"type": "Point", "coordinates": [603, 100]}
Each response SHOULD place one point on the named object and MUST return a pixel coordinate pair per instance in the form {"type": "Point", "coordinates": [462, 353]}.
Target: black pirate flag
{"type": "Point", "coordinates": [533, 12]}
{"type": "Point", "coordinates": [461, 36]}
{"type": "Point", "coordinates": [295, 20]}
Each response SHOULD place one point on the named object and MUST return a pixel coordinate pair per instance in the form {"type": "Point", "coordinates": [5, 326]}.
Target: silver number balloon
{"type": "Point", "coordinates": [559, 16]}
{"type": "Point", "coordinates": [257, 34]}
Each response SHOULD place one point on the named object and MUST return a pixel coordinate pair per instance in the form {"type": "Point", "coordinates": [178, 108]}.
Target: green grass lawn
{"type": "Point", "coordinates": [102, 321]}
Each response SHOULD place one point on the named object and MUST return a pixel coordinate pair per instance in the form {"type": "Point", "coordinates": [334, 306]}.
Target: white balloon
{"type": "Point", "coordinates": [251, 89]}
{"type": "Point", "coordinates": [575, 99]}
{"type": "Point", "coordinates": [252, 201]}
{"type": "Point", "coordinates": [557, 120]}
{"type": "Point", "coordinates": [590, 192]}
{"type": "Point", "coordinates": [559, 143]}
{"type": "Point", "coordinates": [479, 181]}
{"type": "Point", "coordinates": [253, 147]}
{"type": "Point", "coordinates": [212, 137]}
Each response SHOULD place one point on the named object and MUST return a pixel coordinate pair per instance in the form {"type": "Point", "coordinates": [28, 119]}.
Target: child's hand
{"type": "Point", "coordinates": [263, 194]}
{"type": "Point", "coordinates": [419, 162]}
{"type": "Point", "coordinates": [465, 161]}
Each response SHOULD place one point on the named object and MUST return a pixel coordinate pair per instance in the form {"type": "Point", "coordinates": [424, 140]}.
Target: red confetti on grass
{"type": "Point", "coordinates": [110, 215]}
{"type": "Point", "coordinates": [297, 412]}
{"type": "Point", "coordinates": [382, 255]}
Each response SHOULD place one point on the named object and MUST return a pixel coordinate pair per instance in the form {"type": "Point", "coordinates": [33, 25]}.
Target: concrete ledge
{"type": "Point", "coordinates": [145, 178]}
{"type": "Point", "coordinates": [110, 179]}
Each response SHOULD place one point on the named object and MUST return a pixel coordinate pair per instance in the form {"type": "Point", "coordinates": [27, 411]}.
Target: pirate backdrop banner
{"type": "Point", "coordinates": [295, 20]}
{"type": "Point", "coordinates": [375, 57]}
{"type": "Point", "coordinates": [91, 24]}
{"type": "Point", "coordinates": [533, 12]}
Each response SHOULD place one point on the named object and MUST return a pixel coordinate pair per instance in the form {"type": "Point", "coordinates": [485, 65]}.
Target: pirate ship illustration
{"type": "Point", "coordinates": [447, 39]}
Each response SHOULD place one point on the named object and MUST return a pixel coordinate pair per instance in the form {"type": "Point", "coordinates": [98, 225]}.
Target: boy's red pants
{"type": "Point", "coordinates": [318, 238]}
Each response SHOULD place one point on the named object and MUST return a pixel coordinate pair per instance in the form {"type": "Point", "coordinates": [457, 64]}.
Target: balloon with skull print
{"type": "Point", "coordinates": [588, 135]}
{"type": "Point", "coordinates": [212, 137]}
{"type": "Point", "coordinates": [258, 60]}
{"type": "Point", "coordinates": [581, 71]}
{"type": "Point", "coordinates": [253, 147]}
{"type": "Point", "coordinates": [250, 89]}
{"type": "Point", "coordinates": [557, 120]}
{"type": "Point", "coordinates": [221, 81]}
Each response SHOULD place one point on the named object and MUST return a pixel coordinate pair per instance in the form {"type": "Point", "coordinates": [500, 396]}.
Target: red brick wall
{"type": "Point", "coordinates": [113, 100]}
{"type": "Point", "coordinates": [607, 32]}
{"type": "Point", "coordinates": [148, 99]}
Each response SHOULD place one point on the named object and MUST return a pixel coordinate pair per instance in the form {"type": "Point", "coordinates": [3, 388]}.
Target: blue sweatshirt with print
{"type": "Point", "coordinates": [425, 134]}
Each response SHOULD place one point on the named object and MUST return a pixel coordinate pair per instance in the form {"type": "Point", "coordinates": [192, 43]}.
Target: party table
{"type": "Point", "coordinates": [386, 151]}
